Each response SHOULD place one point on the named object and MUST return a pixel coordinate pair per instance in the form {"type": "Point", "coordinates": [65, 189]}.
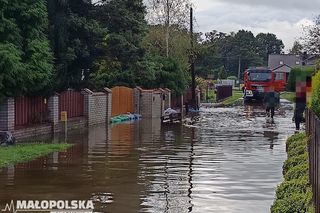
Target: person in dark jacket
{"type": "Point", "coordinates": [298, 114]}
{"type": "Point", "coordinates": [270, 100]}
{"type": "Point", "coordinates": [301, 102]}
{"type": "Point", "coordinates": [187, 108]}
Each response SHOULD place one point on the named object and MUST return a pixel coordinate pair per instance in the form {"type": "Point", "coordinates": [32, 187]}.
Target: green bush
{"type": "Point", "coordinates": [298, 172]}
{"type": "Point", "coordinates": [311, 209]}
{"type": "Point", "coordinates": [287, 188]}
{"type": "Point", "coordinates": [294, 161]}
{"type": "Point", "coordinates": [294, 195]}
{"type": "Point", "coordinates": [295, 203]}
{"type": "Point", "coordinates": [296, 139]}
{"type": "Point", "coordinates": [232, 78]}
{"type": "Point", "coordinates": [297, 149]}
{"type": "Point", "coordinates": [315, 101]}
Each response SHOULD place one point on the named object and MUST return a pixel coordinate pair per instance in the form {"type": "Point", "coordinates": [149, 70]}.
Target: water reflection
{"type": "Point", "coordinates": [230, 162]}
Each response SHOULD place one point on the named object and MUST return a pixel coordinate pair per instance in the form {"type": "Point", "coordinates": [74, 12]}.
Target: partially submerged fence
{"type": "Point", "coordinates": [30, 110]}
{"type": "Point", "coordinates": [313, 131]}
{"type": "Point", "coordinates": [31, 116]}
{"type": "Point", "coordinates": [72, 102]}
{"type": "Point", "coordinates": [180, 101]}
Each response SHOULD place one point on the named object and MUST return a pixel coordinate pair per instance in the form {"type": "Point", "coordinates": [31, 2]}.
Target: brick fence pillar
{"type": "Point", "coordinates": [182, 107]}
{"type": "Point", "coordinates": [109, 103]}
{"type": "Point", "coordinates": [7, 114]}
{"type": "Point", "coordinates": [136, 100]}
{"type": "Point", "coordinates": [53, 105]}
{"type": "Point", "coordinates": [168, 98]}
{"type": "Point", "coordinates": [87, 100]}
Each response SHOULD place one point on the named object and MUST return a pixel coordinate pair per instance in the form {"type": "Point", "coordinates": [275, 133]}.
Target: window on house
{"type": "Point", "coordinates": [281, 62]}
{"type": "Point", "coordinates": [297, 62]}
{"type": "Point", "coordinates": [279, 76]}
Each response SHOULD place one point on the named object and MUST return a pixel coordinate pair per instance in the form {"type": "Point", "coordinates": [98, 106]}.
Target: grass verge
{"type": "Point", "coordinates": [26, 152]}
{"type": "Point", "coordinates": [294, 194]}
{"type": "Point", "coordinates": [233, 99]}
{"type": "Point", "coordinates": [290, 96]}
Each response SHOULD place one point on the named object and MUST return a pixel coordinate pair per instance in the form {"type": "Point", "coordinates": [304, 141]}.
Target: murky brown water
{"type": "Point", "coordinates": [230, 162]}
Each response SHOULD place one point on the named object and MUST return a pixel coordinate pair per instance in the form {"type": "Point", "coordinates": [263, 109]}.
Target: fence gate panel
{"type": "Point", "coordinates": [72, 102]}
{"type": "Point", "coordinates": [30, 110]}
{"type": "Point", "coordinates": [122, 100]}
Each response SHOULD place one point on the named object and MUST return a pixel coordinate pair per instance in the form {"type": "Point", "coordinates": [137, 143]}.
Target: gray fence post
{"type": "Point", "coordinates": [7, 114]}
{"type": "Point", "coordinates": [109, 103]}
{"type": "Point", "coordinates": [53, 105]}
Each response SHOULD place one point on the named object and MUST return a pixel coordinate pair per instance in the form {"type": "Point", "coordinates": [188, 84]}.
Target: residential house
{"type": "Point", "coordinates": [283, 63]}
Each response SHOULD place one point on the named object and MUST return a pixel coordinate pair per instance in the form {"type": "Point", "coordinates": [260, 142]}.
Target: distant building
{"type": "Point", "coordinates": [285, 62]}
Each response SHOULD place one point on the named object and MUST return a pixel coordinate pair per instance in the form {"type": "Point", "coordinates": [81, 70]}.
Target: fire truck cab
{"type": "Point", "coordinates": [257, 81]}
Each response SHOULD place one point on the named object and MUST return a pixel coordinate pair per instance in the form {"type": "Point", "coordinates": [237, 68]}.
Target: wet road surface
{"type": "Point", "coordinates": [230, 161]}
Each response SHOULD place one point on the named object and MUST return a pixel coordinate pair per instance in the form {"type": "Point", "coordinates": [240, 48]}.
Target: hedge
{"type": "Point", "coordinates": [294, 194]}
{"type": "Point", "coordinates": [315, 101]}
{"type": "Point", "coordinates": [294, 161]}
{"type": "Point", "coordinates": [295, 203]}
{"type": "Point", "coordinates": [298, 172]}
{"type": "Point", "coordinates": [296, 140]}
{"type": "Point", "coordinates": [287, 188]}
{"type": "Point", "coordinates": [297, 150]}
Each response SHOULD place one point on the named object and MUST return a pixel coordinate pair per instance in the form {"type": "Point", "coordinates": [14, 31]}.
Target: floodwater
{"type": "Point", "coordinates": [229, 162]}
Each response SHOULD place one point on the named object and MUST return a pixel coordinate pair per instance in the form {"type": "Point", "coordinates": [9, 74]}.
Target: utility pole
{"type": "Point", "coordinates": [192, 58]}
{"type": "Point", "coordinates": [239, 71]}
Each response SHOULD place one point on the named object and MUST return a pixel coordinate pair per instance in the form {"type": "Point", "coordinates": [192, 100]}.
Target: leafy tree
{"type": "Point", "coordinates": [11, 70]}
{"type": "Point", "coordinates": [179, 44]}
{"type": "Point", "coordinates": [209, 59]}
{"type": "Point", "coordinates": [268, 43]}
{"type": "Point", "coordinates": [26, 58]}
{"type": "Point", "coordinates": [125, 20]}
{"type": "Point", "coordinates": [223, 73]}
{"type": "Point", "coordinates": [312, 38]}
{"type": "Point", "coordinates": [170, 75]}
{"type": "Point", "coordinates": [297, 48]}
{"type": "Point", "coordinates": [76, 36]}
{"type": "Point", "coordinates": [316, 93]}
{"type": "Point", "coordinates": [221, 49]}
{"type": "Point", "coordinates": [168, 13]}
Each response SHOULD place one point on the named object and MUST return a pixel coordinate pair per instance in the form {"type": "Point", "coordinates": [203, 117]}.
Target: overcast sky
{"type": "Point", "coordinates": [284, 18]}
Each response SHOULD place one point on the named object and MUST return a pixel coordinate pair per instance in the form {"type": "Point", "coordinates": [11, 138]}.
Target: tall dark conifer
{"type": "Point", "coordinates": [75, 35]}
{"type": "Point", "coordinates": [25, 54]}
{"type": "Point", "coordinates": [125, 58]}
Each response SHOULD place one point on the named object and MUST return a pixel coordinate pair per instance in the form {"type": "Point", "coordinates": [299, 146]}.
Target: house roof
{"type": "Point", "coordinates": [277, 60]}
{"type": "Point", "coordinates": [283, 68]}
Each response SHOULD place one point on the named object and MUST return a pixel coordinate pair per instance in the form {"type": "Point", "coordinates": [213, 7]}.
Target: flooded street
{"type": "Point", "coordinates": [229, 162]}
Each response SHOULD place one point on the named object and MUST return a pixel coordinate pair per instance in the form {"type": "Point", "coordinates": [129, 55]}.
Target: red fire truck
{"type": "Point", "coordinates": [258, 80]}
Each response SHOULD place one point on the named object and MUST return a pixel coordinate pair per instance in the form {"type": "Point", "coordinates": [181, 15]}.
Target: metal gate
{"type": "Point", "coordinates": [30, 110]}
{"type": "Point", "coordinates": [72, 102]}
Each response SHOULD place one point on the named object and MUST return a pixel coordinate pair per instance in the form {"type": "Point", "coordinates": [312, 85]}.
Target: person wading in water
{"type": "Point", "coordinates": [270, 101]}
